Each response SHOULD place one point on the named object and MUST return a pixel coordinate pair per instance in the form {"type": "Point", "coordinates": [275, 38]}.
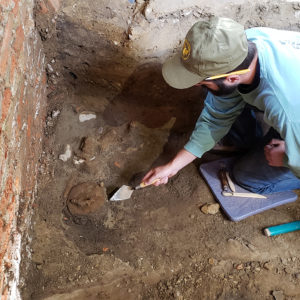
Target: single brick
{"type": "Point", "coordinates": [29, 122]}
{"type": "Point", "coordinates": [13, 66]}
{"type": "Point", "coordinates": [19, 40]}
{"type": "Point", "coordinates": [16, 8]}
{"type": "Point", "coordinates": [5, 46]}
{"type": "Point", "coordinates": [5, 105]}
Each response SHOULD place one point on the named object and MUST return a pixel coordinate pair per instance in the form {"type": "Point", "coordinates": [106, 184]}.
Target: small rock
{"type": "Point", "coordinates": [278, 295]}
{"type": "Point", "coordinates": [78, 161]}
{"type": "Point", "coordinates": [269, 266]}
{"type": "Point", "coordinates": [148, 13]}
{"type": "Point", "coordinates": [288, 270]}
{"type": "Point", "coordinates": [240, 267]}
{"type": "Point", "coordinates": [211, 209]}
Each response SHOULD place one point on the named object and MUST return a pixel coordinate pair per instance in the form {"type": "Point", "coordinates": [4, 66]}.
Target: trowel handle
{"type": "Point", "coordinates": [143, 184]}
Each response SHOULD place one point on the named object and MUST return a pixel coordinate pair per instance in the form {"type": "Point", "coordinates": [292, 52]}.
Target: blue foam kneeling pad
{"type": "Point", "coordinates": [238, 208]}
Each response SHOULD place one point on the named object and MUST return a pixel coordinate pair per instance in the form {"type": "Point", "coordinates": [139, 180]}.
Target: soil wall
{"type": "Point", "coordinates": [22, 110]}
{"type": "Point", "coordinates": [105, 41]}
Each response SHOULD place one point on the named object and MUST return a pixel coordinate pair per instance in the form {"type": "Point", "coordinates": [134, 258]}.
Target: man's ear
{"type": "Point", "coordinates": [233, 79]}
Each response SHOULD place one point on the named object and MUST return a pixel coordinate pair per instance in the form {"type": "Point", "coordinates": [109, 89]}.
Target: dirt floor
{"type": "Point", "coordinates": [158, 244]}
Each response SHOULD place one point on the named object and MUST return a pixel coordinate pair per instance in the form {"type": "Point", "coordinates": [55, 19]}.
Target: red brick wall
{"type": "Point", "coordinates": [22, 112]}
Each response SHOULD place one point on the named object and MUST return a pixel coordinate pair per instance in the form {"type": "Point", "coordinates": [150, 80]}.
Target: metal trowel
{"type": "Point", "coordinates": [125, 191]}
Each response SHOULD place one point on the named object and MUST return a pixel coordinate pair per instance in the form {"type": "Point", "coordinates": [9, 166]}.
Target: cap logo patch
{"type": "Point", "coordinates": [186, 50]}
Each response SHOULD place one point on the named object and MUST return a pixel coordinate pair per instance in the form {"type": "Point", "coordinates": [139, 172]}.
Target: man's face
{"type": "Point", "coordinates": [218, 87]}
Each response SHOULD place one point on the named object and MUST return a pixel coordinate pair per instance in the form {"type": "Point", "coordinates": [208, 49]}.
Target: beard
{"type": "Point", "coordinates": [224, 90]}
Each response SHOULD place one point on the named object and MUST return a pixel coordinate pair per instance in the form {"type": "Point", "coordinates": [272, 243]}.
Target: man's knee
{"type": "Point", "coordinates": [247, 180]}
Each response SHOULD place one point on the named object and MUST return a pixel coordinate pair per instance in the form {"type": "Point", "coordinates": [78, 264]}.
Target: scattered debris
{"type": "Point", "coordinates": [78, 161]}
{"type": "Point", "coordinates": [68, 153]}
{"type": "Point", "coordinates": [210, 209]}
{"type": "Point", "coordinates": [55, 113]}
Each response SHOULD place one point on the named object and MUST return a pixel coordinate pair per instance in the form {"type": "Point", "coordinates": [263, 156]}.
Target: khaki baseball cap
{"type": "Point", "coordinates": [211, 47]}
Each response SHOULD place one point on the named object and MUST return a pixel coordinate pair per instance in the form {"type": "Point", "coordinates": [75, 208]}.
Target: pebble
{"type": "Point", "coordinates": [78, 161]}
{"type": "Point", "coordinates": [284, 261]}
{"type": "Point", "coordinates": [49, 68]}
{"type": "Point", "coordinates": [210, 209]}
{"type": "Point", "coordinates": [240, 267]}
{"type": "Point", "coordinates": [269, 266]}
{"type": "Point", "coordinates": [278, 295]}
{"type": "Point", "coordinates": [288, 270]}
{"type": "Point", "coordinates": [257, 269]}
{"type": "Point", "coordinates": [55, 113]}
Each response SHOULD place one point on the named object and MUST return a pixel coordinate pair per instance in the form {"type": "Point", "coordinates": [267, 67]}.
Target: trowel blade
{"type": "Point", "coordinates": [123, 193]}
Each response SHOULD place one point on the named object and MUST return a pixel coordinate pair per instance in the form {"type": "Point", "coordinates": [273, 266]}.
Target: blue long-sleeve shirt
{"type": "Point", "coordinates": [278, 95]}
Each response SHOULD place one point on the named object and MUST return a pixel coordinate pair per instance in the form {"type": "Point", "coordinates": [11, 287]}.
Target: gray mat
{"type": "Point", "coordinates": [237, 208]}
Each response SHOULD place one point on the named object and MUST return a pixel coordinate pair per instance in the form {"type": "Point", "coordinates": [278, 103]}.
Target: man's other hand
{"type": "Point", "coordinates": [275, 152]}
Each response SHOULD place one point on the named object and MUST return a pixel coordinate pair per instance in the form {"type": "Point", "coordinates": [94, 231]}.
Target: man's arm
{"type": "Point", "coordinates": [163, 173]}
{"type": "Point", "coordinates": [216, 119]}
{"type": "Point", "coordinates": [214, 122]}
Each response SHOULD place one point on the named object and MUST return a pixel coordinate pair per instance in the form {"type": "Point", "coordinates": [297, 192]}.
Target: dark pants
{"type": "Point", "coordinates": [251, 170]}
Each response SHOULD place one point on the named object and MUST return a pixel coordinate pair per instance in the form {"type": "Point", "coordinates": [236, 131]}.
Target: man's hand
{"type": "Point", "coordinates": [163, 173]}
{"type": "Point", "coordinates": [275, 152]}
